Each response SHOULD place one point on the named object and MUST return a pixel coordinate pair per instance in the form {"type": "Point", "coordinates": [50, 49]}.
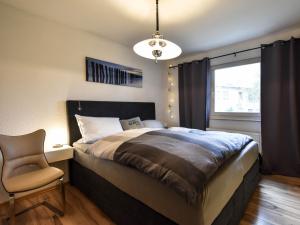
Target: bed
{"type": "Point", "coordinates": [130, 197]}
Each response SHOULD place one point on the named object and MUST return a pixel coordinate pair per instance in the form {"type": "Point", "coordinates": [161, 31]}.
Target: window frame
{"type": "Point", "coordinates": [242, 116]}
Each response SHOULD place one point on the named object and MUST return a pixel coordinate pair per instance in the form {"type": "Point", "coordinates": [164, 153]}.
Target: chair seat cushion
{"type": "Point", "coordinates": [32, 180]}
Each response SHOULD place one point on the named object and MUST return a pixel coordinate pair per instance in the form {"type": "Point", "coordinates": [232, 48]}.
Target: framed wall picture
{"type": "Point", "coordinates": [110, 73]}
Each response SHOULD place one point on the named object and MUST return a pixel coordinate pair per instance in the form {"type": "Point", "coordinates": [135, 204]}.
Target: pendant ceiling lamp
{"type": "Point", "coordinates": [157, 48]}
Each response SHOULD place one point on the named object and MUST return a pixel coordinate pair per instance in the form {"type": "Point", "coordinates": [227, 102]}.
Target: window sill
{"type": "Point", "coordinates": [236, 118]}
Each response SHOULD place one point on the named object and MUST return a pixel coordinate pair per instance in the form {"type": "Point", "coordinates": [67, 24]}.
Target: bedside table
{"type": "Point", "coordinates": [59, 154]}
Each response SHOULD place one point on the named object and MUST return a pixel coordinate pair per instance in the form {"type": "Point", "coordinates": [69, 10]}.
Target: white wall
{"type": "Point", "coordinates": [248, 126]}
{"type": "Point", "coordinates": [42, 64]}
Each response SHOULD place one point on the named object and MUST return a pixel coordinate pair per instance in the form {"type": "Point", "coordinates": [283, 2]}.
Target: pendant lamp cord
{"type": "Point", "coordinates": [157, 18]}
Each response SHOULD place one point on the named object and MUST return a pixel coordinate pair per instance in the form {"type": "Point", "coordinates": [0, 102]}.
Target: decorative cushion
{"type": "Point", "coordinates": [133, 123]}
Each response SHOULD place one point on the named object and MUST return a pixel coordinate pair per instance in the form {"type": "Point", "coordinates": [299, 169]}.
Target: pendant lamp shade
{"type": "Point", "coordinates": [157, 47]}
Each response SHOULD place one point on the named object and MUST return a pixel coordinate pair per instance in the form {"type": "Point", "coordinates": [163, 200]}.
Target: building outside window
{"type": "Point", "coordinates": [236, 89]}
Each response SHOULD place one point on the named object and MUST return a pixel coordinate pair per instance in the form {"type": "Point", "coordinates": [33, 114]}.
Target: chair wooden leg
{"type": "Point", "coordinates": [12, 220]}
{"type": "Point", "coordinates": [62, 193]}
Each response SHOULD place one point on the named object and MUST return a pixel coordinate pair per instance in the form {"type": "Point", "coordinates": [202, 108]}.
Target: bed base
{"type": "Point", "coordinates": [126, 210]}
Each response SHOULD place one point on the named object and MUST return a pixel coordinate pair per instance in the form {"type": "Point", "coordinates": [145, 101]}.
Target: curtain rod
{"type": "Point", "coordinates": [220, 56]}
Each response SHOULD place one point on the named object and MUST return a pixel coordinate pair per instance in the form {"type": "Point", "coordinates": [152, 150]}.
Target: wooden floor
{"type": "Point", "coordinates": [276, 201]}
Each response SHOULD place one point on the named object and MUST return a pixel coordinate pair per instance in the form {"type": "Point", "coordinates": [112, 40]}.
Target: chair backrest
{"type": "Point", "coordinates": [23, 153]}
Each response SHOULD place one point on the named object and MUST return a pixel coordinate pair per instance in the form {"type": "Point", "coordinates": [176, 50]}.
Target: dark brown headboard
{"type": "Point", "coordinates": [123, 110]}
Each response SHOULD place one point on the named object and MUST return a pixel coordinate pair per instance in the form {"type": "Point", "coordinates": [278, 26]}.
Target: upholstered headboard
{"type": "Point", "coordinates": [123, 110]}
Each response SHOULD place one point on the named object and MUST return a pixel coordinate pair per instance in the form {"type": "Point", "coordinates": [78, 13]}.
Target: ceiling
{"type": "Point", "coordinates": [195, 25]}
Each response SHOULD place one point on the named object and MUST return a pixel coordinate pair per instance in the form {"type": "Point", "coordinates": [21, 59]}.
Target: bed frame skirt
{"type": "Point", "coordinates": [126, 210]}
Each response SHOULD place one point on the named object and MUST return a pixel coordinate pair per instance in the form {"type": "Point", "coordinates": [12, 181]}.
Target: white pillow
{"type": "Point", "coordinates": [181, 129]}
{"type": "Point", "coordinates": [95, 128]}
{"type": "Point", "coordinates": [153, 124]}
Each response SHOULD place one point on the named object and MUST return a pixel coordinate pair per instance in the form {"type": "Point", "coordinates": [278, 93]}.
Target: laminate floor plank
{"type": "Point", "coordinates": [276, 201]}
{"type": "Point", "coordinates": [79, 210]}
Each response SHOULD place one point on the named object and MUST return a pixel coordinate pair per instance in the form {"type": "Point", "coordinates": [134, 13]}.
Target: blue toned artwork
{"type": "Point", "coordinates": [110, 73]}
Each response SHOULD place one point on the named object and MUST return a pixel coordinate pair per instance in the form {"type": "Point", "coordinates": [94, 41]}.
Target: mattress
{"type": "Point", "coordinates": [163, 199]}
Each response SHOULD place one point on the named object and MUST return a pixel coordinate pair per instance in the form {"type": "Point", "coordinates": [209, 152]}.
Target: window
{"type": "Point", "coordinates": [236, 89]}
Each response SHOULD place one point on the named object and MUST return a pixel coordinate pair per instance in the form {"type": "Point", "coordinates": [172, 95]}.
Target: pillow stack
{"type": "Point", "coordinates": [95, 128]}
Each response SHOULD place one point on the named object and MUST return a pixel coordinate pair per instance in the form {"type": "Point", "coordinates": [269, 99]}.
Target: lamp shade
{"type": "Point", "coordinates": [167, 49]}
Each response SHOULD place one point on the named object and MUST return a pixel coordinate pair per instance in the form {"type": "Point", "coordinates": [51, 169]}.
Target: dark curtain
{"type": "Point", "coordinates": [194, 94]}
{"type": "Point", "coordinates": [280, 107]}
